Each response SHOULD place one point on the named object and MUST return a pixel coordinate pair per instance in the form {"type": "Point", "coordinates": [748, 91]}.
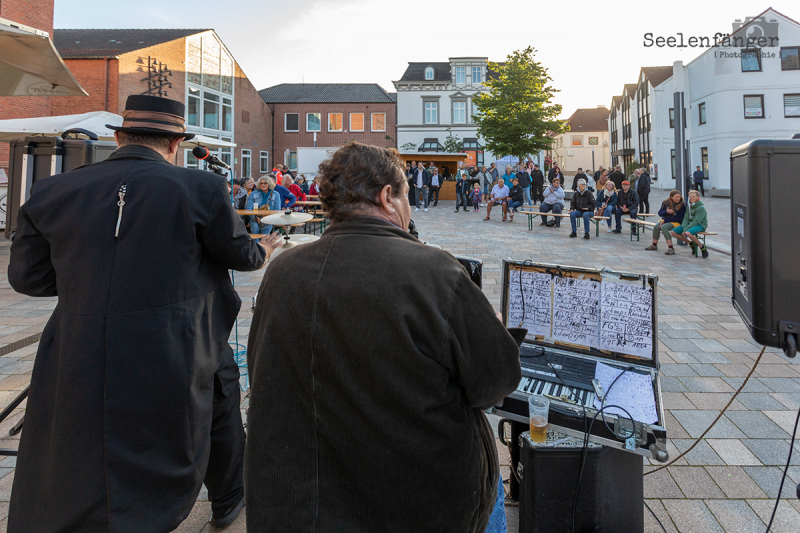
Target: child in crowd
{"type": "Point", "coordinates": [476, 196]}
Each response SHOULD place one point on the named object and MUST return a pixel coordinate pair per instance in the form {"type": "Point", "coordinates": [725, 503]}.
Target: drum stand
{"type": "Point", "coordinates": [18, 426]}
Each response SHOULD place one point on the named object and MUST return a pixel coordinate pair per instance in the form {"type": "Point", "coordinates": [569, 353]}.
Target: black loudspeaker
{"type": "Point", "coordinates": [35, 158]}
{"type": "Point", "coordinates": [766, 247]}
{"type": "Point", "coordinates": [611, 498]}
{"type": "Point", "coordinates": [474, 268]}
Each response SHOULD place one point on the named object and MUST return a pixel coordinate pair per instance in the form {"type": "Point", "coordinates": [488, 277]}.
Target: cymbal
{"type": "Point", "coordinates": [293, 241]}
{"type": "Point", "coordinates": [286, 219]}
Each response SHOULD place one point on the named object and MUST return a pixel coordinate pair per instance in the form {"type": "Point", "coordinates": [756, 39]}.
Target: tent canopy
{"type": "Point", "coordinates": [31, 66]}
{"type": "Point", "coordinates": [94, 121]}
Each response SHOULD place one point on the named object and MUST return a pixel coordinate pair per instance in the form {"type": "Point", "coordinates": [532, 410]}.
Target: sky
{"type": "Point", "coordinates": [591, 49]}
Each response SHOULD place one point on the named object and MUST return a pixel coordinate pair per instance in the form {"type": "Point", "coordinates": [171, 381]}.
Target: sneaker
{"type": "Point", "coordinates": [542, 224]}
{"type": "Point", "coordinates": [671, 251]}
{"type": "Point", "coordinates": [693, 246]}
{"type": "Point", "coordinates": [417, 209]}
{"type": "Point", "coordinates": [609, 230]}
{"type": "Point", "coordinates": [573, 235]}
{"type": "Point", "coordinates": [456, 210]}
{"type": "Point", "coordinates": [586, 236]}
{"type": "Point", "coordinates": [652, 247]}
{"type": "Point", "coordinates": [426, 209]}
{"type": "Point", "coordinates": [557, 225]}
{"type": "Point", "coordinates": [226, 519]}
{"type": "Point", "coordinates": [617, 231]}
{"type": "Point", "coordinates": [704, 251]}
{"type": "Point", "coordinates": [633, 231]}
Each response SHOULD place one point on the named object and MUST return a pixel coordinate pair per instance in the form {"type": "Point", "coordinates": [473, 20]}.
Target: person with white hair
{"type": "Point", "coordinates": [582, 205]}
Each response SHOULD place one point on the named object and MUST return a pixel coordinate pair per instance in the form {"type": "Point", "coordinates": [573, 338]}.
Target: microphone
{"type": "Point", "coordinates": [201, 152]}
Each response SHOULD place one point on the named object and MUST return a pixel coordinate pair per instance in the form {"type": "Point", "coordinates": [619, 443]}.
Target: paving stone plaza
{"type": "Point", "coordinates": [727, 483]}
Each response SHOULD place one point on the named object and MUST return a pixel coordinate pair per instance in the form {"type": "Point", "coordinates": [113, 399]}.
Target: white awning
{"type": "Point", "coordinates": [31, 66]}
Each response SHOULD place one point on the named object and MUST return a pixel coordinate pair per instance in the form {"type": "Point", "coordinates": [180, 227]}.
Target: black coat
{"type": "Point", "coordinates": [628, 199]}
{"type": "Point", "coordinates": [117, 424]}
{"type": "Point", "coordinates": [617, 177]}
{"type": "Point", "coordinates": [372, 421]}
{"type": "Point", "coordinates": [643, 184]}
{"type": "Point", "coordinates": [537, 178]}
{"type": "Point", "coordinates": [515, 193]}
{"type": "Point", "coordinates": [524, 179]}
{"type": "Point", "coordinates": [426, 177]}
{"type": "Point", "coordinates": [582, 201]}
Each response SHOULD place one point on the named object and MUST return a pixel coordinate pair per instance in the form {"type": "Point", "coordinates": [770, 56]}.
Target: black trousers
{"type": "Point", "coordinates": [224, 479]}
{"type": "Point", "coordinates": [644, 203]}
{"type": "Point", "coordinates": [537, 193]}
{"type": "Point", "coordinates": [699, 186]}
{"type": "Point", "coordinates": [434, 195]}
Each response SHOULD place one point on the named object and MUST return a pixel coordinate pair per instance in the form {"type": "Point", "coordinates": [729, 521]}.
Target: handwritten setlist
{"type": "Point", "coordinates": [632, 391]}
{"type": "Point", "coordinates": [536, 287]}
{"type": "Point", "coordinates": [576, 311]}
{"type": "Point", "coordinates": [626, 319]}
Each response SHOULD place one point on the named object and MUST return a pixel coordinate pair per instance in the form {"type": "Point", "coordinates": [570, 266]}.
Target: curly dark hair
{"type": "Point", "coordinates": [354, 176]}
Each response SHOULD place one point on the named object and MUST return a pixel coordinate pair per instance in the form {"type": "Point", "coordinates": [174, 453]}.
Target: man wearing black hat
{"type": "Point", "coordinates": [134, 397]}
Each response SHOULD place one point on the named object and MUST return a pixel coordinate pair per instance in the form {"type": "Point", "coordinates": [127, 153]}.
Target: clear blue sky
{"type": "Point", "coordinates": [591, 48]}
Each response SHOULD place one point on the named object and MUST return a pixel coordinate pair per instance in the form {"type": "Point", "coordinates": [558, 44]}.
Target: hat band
{"type": "Point", "coordinates": [166, 122]}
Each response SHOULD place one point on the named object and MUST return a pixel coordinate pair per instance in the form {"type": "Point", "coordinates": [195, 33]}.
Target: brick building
{"type": "Point", "coordinates": [36, 14]}
{"type": "Point", "coordinates": [337, 113]}
{"type": "Point", "coordinates": [189, 65]}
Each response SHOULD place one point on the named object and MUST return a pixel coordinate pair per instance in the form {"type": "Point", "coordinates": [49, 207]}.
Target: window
{"type": "Point", "coordinates": [292, 163]}
{"type": "Point", "coordinates": [291, 122]}
{"type": "Point", "coordinates": [672, 118]}
{"type": "Point", "coordinates": [791, 105]}
{"type": "Point", "coordinates": [704, 158]}
{"type": "Point", "coordinates": [379, 122]}
{"type": "Point", "coordinates": [334, 122]}
{"type": "Point", "coordinates": [751, 60]}
{"type": "Point", "coordinates": [461, 75]}
{"type": "Point", "coordinates": [313, 122]}
{"type": "Point", "coordinates": [431, 112]}
{"type": "Point", "coordinates": [429, 73]}
{"type": "Point", "coordinates": [594, 141]}
{"type": "Point", "coordinates": [459, 112]}
{"type": "Point", "coordinates": [476, 75]}
{"type": "Point", "coordinates": [245, 163]}
{"type": "Point", "coordinates": [754, 106]}
{"type": "Point", "coordinates": [193, 112]}
{"type": "Point", "coordinates": [701, 109]}
{"type": "Point", "coordinates": [356, 121]}
{"type": "Point", "coordinates": [191, 160]}
{"type": "Point", "coordinates": [226, 153]}
{"type": "Point", "coordinates": [227, 115]}
{"type": "Point", "coordinates": [210, 110]}
{"type": "Point", "coordinates": [672, 154]}
{"type": "Point", "coordinates": [263, 162]}
{"type": "Point", "coordinates": [577, 140]}
{"type": "Point", "coordinates": [790, 58]}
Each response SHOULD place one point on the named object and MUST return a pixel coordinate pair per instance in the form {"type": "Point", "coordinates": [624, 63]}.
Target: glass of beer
{"type": "Point", "coordinates": [539, 408]}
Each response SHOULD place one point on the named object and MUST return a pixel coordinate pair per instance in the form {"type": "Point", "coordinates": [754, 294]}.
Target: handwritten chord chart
{"type": "Point", "coordinates": [576, 311]}
{"type": "Point", "coordinates": [626, 319]}
{"type": "Point", "coordinates": [536, 287]}
{"type": "Point", "coordinates": [632, 391]}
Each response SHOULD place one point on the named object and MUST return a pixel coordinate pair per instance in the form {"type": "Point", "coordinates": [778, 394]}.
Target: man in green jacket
{"type": "Point", "coordinates": [694, 221]}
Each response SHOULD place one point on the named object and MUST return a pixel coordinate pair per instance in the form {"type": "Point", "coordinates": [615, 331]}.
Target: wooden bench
{"type": "Point", "coordinates": [634, 226]}
{"type": "Point", "coordinates": [702, 235]}
{"type": "Point", "coordinates": [533, 214]}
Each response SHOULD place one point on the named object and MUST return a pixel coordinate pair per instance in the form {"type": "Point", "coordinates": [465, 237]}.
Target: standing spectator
{"type": "Point", "coordinates": [264, 198]}
{"type": "Point", "coordinates": [476, 197]}
{"type": "Point", "coordinates": [314, 188]}
{"type": "Point", "coordinates": [473, 171]}
{"type": "Point", "coordinates": [436, 184]}
{"type": "Point", "coordinates": [598, 174]}
{"type": "Point", "coordinates": [606, 202]}
{"type": "Point", "coordinates": [524, 180]}
{"type": "Point", "coordinates": [581, 175]}
{"type": "Point", "coordinates": [537, 184]}
{"type": "Point", "coordinates": [553, 201]}
{"type": "Point", "coordinates": [601, 181]}
{"type": "Point", "coordinates": [288, 172]}
{"type": "Point", "coordinates": [485, 182]}
{"type": "Point", "coordinates": [303, 184]}
{"type": "Point", "coordinates": [278, 171]}
{"type": "Point", "coordinates": [617, 177]}
{"type": "Point", "coordinates": [554, 173]}
{"type": "Point", "coordinates": [699, 176]}
{"type": "Point", "coordinates": [627, 204]}
{"type": "Point", "coordinates": [672, 212]}
{"type": "Point", "coordinates": [634, 179]}
{"type": "Point", "coordinates": [516, 197]}
{"type": "Point", "coordinates": [412, 189]}
{"type": "Point", "coordinates": [461, 191]}
{"type": "Point", "coordinates": [643, 190]}
{"type": "Point", "coordinates": [694, 221]}
{"type": "Point", "coordinates": [508, 175]}
{"type": "Point", "coordinates": [582, 205]}
{"type": "Point", "coordinates": [494, 172]}
{"type": "Point", "coordinates": [422, 181]}
{"type": "Point", "coordinates": [499, 197]}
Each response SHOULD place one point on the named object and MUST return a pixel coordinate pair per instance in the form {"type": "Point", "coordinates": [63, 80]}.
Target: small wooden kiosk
{"type": "Point", "coordinates": [440, 159]}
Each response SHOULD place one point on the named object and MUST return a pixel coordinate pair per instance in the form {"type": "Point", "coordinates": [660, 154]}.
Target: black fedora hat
{"type": "Point", "coordinates": [153, 115]}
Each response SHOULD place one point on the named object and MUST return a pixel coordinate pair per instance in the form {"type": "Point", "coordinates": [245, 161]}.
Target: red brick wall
{"type": "Point", "coordinates": [255, 134]}
{"type": "Point", "coordinates": [100, 78]}
{"type": "Point", "coordinates": [292, 140]}
{"type": "Point", "coordinates": [37, 14]}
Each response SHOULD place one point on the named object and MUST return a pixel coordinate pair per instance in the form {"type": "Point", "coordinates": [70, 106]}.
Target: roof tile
{"type": "Point", "coordinates": [317, 93]}
{"type": "Point", "coordinates": [76, 44]}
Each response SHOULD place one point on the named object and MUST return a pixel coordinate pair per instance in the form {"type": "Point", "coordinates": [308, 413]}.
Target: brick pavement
{"type": "Point", "coordinates": [725, 484]}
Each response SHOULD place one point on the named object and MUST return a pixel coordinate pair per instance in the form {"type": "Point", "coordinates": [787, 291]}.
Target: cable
{"type": "Point", "coordinates": [521, 292]}
{"type": "Point", "coordinates": [785, 471]}
{"type": "Point", "coordinates": [656, 517]}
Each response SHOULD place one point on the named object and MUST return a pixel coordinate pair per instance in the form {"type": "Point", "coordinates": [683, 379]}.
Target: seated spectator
{"type": "Point", "coordinates": [582, 205]}
{"type": "Point", "coordinates": [516, 197]}
{"type": "Point", "coordinates": [606, 202]}
{"type": "Point", "coordinates": [302, 183]}
{"type": "Point", "coordinates": [553, 201]}
{"type": "Point", "coordinates": [627, 204]}
{"type": "Point", "coordinates": [238, 194]}
{"type": "Point", "coordinates": [694, 221]}
{"type": "Point", "coordinates": [672, 212]}
{"type": "Point", "coordinates": [499, 197]}
{"type": "Point", "coordinates": [264, 198]}
{"type": "Point", "coordinates": [249, 185]}
{"type": "Point", "coordinates": [294, 189]}
{"type": "Point", "coordinates": [287, 198]}
{"type": "Point", "coordinates": [313, 190]}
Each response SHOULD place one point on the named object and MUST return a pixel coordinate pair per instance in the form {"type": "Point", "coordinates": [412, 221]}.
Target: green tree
{"type": "Point", "coordinates": [517, 113]}
{"type": "Point", "coordinates": [452, 144]}
{"type": "Point", "coordinates": [408, 147]}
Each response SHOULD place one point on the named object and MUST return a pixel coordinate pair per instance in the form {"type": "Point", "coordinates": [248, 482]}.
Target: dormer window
{"type": "Point", "coordinates": [429, 73]}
